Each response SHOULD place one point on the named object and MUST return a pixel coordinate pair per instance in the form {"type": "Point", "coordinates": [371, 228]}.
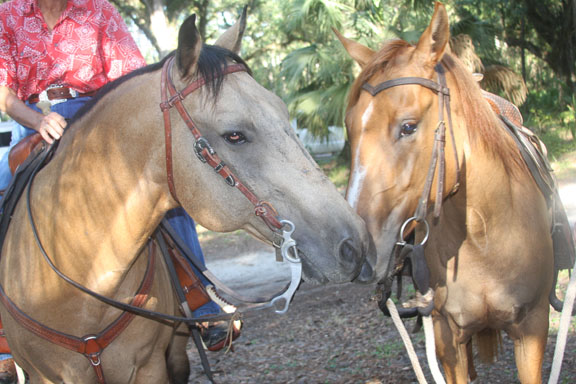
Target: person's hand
{"type": "Point", "coordinates": [51, 127]}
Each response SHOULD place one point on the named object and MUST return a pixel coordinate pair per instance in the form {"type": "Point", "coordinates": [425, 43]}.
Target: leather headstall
{"type": "Point", "coordinates": [171, 97]}
{"type": "Point", "coordinates": [405, 254]}
{"type": "Point", "coordinates": [438, 159]}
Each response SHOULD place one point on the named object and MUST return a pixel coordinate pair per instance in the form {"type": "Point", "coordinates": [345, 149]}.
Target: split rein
{"type": "Point", "coordinates": [282, 229]}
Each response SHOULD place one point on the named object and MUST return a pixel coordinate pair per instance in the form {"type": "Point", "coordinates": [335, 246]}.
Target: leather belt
{"type": "Point", "coordinates": [58, 93]}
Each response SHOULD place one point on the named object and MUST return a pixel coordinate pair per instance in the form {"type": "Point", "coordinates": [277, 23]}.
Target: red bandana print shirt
{"type": "Point", "coordinates": [88, 47]}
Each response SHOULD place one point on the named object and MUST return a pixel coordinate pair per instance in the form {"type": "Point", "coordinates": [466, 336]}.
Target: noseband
{"type": "Point", "coordinates": [415, 253]}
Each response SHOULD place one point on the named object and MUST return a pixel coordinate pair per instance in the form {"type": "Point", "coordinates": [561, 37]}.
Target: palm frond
{"type": "Point", "coordinates": [502, 80]}
{"type": "Point", "coordinates": [297, 65]}
{"type": "Point", "coordinates": [463, 47]}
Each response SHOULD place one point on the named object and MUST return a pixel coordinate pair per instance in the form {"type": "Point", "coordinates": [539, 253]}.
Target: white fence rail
{"type": "Point", "coordinates": [322, 147]}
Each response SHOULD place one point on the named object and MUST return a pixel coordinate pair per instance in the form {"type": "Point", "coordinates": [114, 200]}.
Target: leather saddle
{"type": "Point", "coordinates": [534, 153]}
{"type": "Point", "coordinates": [23, 149]}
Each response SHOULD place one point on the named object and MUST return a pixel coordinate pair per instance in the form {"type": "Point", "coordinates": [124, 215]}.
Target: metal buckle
{"type": "Point", "coordinates": [43, 96]}
{"type": "Point", "coordinates": [201, 144]}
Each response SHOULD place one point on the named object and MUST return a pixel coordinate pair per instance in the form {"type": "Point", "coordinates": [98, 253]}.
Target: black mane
{"type": "Point", "coordinates": [211, 66]}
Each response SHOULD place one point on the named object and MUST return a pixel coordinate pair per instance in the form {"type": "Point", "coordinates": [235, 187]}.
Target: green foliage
{"type": "Point", "coordinates": [338, 172]}
{"type": "Point", "coordinates": [556, 144]}
{"type": "Point", "coordinates": [292, 50]}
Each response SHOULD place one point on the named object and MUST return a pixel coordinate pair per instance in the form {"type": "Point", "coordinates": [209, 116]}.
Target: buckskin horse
{"type": "Point", "coordinates": [125, 160]}
{"type": "Point", "coordinates": [429, 153]}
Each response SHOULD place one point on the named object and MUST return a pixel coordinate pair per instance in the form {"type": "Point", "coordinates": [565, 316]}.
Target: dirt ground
{"type": "Point", "coordinates": [337, 334]}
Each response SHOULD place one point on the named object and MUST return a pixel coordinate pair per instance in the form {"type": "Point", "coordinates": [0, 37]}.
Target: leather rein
{"type": "Point", "coordinates": [414, 253]}
{"type": "Point", "coordinates": [92, 345]}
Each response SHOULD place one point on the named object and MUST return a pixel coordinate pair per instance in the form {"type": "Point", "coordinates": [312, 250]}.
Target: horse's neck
{"type": "Point", "coordinates": [489, 197]}
{"type": "Point", "coordinates": [100, 198]}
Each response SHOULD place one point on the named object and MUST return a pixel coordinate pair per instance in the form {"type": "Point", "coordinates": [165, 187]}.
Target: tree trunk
{"type": "Point", "coordinates": [162, 31]}
{"type": "Point", "coordinates": [522, 50]}
{"type": "Point", "coordinates": [571, 48]}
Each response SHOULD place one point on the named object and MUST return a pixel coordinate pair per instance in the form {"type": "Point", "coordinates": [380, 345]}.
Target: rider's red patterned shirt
{"type": "Point", "coordinates": [88, 47]}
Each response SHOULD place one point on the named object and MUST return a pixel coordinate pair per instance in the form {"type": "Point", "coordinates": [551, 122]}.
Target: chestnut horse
{"type": "Point", "coordinates": [98, 201]}
{"type": "Point", "coordinates": [481, 218]}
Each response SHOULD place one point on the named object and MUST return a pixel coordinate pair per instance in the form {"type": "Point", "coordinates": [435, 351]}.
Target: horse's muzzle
{"type": "Point", "coordinates": [350, 257]}
{"type": "Point", "coordinates": [367, 272]}
{"type": "Point", "coordinates": [366, 275]}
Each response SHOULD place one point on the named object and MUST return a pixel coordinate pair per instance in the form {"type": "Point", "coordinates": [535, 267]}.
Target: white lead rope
{"type": "Point", "coordinates": [430, 345]}
{"type": "Point", "coordinates": [431, 350]}
{"type": "Point", "coordinates": [20, 374]}
{"type": "Point", "coordinates": [407, 342]}
{"type": "Point", "coordinates": [563, 329]}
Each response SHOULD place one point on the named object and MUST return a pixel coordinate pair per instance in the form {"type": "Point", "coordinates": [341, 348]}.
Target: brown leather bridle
{"type": "Point", "coordinates": [171, 97]}
{"type": "Point", "coordinates": [438, 159]}
{"type": "Point", "coordinates": [282, 229]}
{"type": "Point", "coordinates": [415, 252]}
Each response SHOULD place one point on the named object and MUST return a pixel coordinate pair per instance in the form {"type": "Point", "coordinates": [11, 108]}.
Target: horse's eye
{"type": "Point", "coordinates": [408, 129]}
{"type": "Point", "coordinates": [235, 138]}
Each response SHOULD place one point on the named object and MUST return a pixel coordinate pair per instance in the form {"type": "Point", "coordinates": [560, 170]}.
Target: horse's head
{"type": "Point", "coordinates": [392, 128]}
{"type": "Point", "coordinates": [249, 128]}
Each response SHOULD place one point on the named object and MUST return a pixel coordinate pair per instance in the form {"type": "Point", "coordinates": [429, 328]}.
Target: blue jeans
{"type": "Point", "coordinates": [178, 218]}
{"type": "Point", "coordinates": [186, 229]}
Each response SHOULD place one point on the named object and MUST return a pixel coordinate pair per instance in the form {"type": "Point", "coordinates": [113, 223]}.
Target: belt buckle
{"type": "Point", "coordinates": [43, 96]}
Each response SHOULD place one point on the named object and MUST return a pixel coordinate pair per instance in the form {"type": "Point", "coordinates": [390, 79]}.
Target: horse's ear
{"type": "Point", "coordinates": [360, 53]}
{"type": "Point", "coordinates": [189, 47]}
{"type": "Point", "coordinates": [434, 41]}
{"type": "Point", "coordinates": [232, 38]}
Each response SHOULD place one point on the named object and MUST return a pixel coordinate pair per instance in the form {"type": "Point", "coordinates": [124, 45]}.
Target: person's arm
{"type": "Point", "coordinates": [119, 52]}
{"type": "Point", "coordinates": [51, 126]}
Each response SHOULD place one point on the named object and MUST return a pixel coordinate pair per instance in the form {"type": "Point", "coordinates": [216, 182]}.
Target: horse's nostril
{"type": "Point", "coordinates": [348, 255]}
{"type": "Point", "coordinates": [366, 274]}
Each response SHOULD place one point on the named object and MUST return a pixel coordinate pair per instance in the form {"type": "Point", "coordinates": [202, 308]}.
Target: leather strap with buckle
{"type": "Point", "coordinates": [58, 93]}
